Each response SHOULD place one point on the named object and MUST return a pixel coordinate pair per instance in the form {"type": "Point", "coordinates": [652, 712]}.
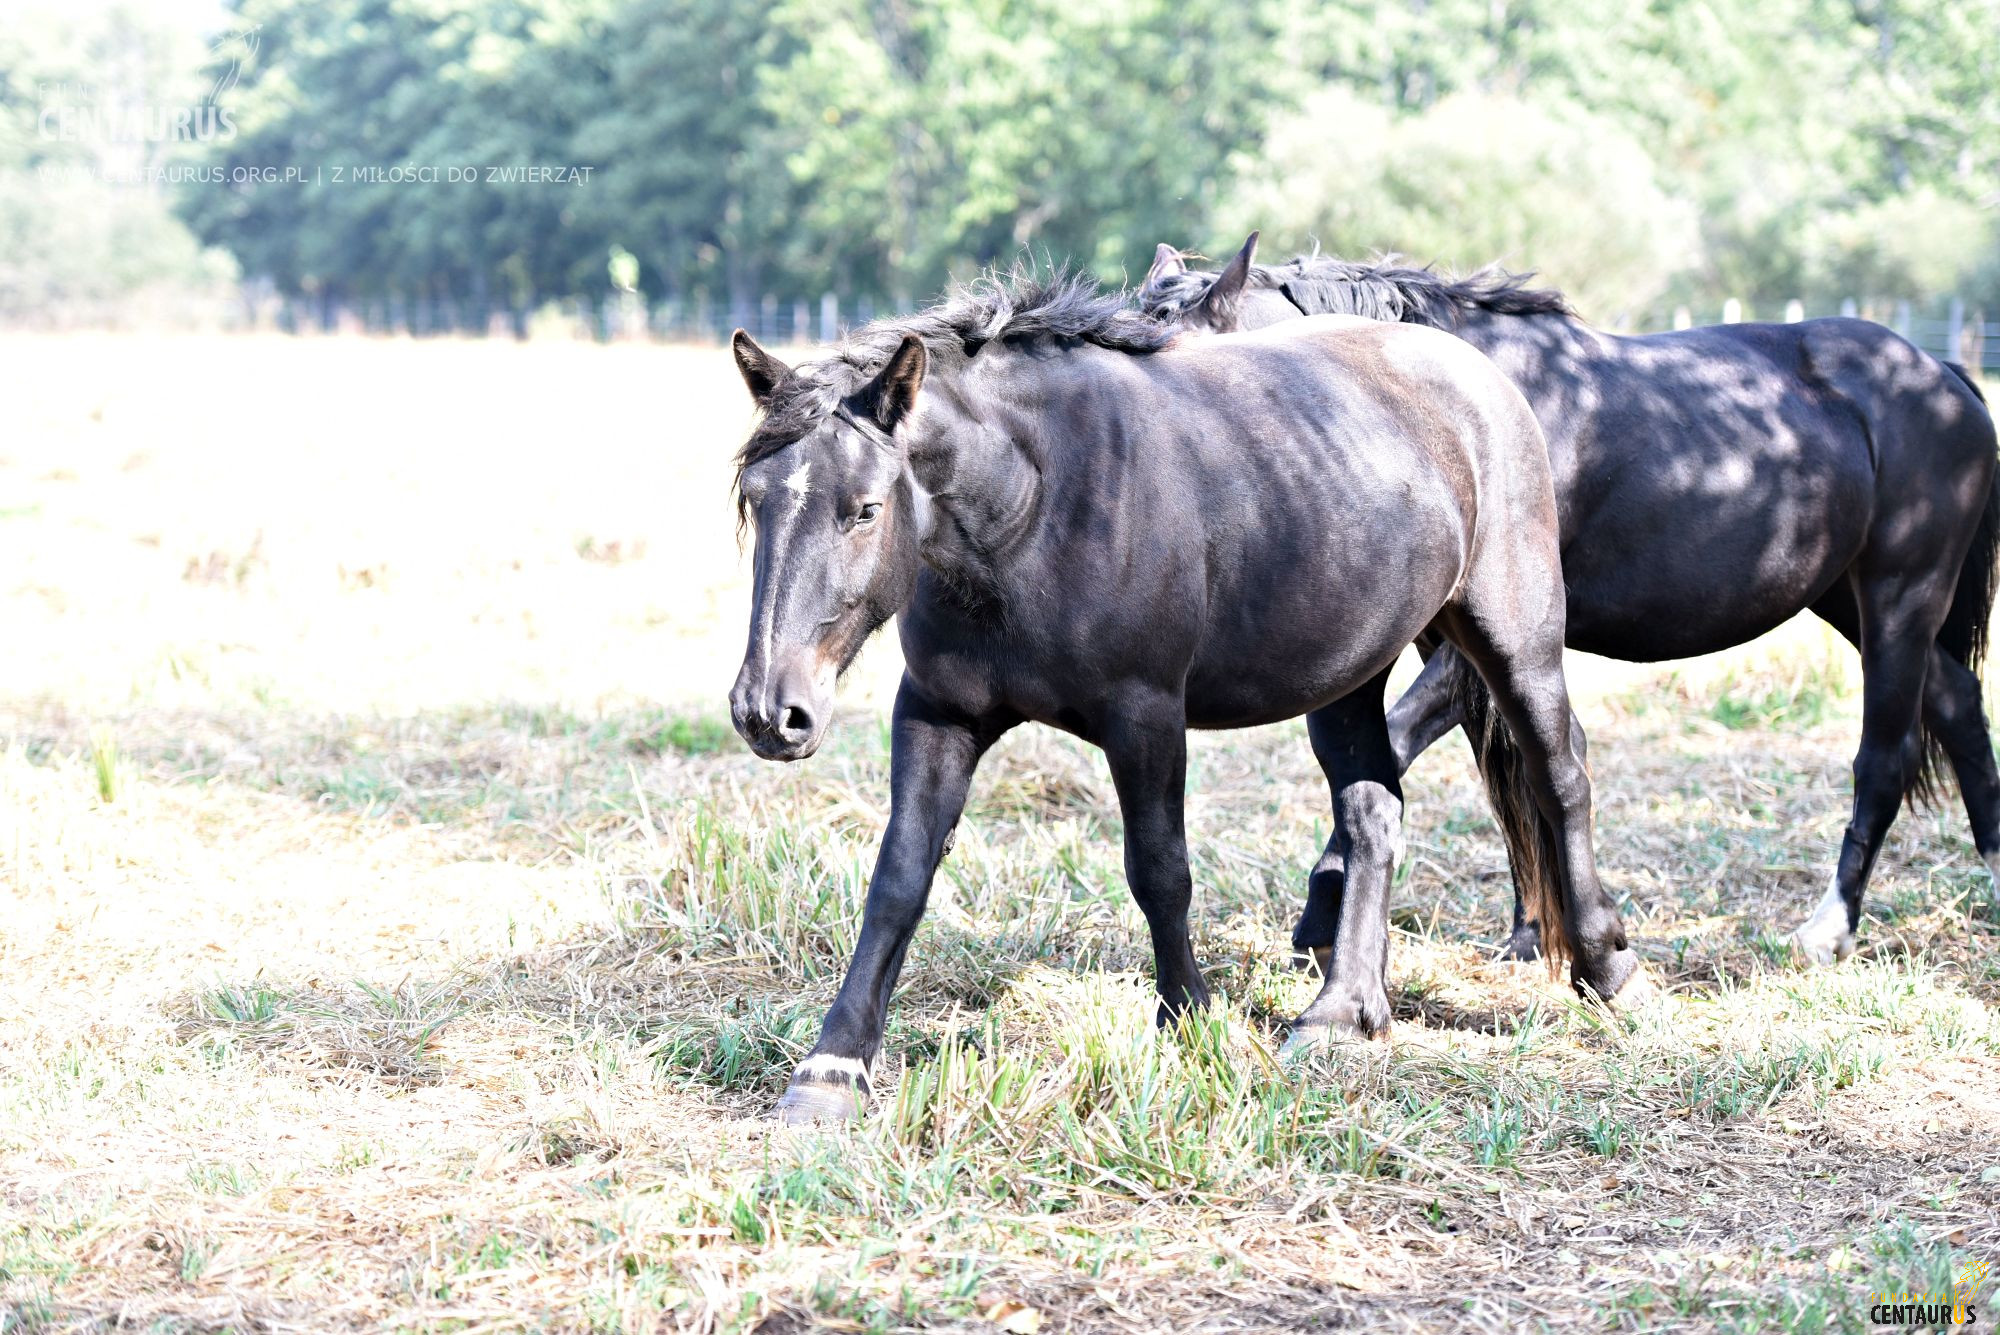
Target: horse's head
{"type": "Point", "coordinates": [822, 479]}
{"type": "Point", "coordinates": [1205, 302]}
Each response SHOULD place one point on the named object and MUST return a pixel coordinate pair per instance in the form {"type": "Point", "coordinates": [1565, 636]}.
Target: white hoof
{"type": "Point", "coordinates": [824, 1089]}
{"type": "Point", "coordinates": [1825, 937]}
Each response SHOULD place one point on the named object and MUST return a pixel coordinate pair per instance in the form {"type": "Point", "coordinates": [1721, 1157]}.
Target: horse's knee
{"type": "Point", "coordinates": [1373, 828]}
{"type": "Point", "coordinates": [1880, 772]}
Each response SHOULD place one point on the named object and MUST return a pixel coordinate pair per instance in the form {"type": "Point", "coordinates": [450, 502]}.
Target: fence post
{"type": "Point", "coordinates": [801, 323]}
{"type": "Point", "coordinates": [1795, 311]}
{"type": "Point", "coordinates": [1683, 318]}
{"type": "Point", "coordinates": [829, 317]}
{"type": "Point", "coordinates": [1849, 307]}
{"type": "Point", "coordinates": [1954, 331]}
{"type": "Point", "coordinates": [1732, 311]}
{"type": "Point", "coordinates": [1902, 325]}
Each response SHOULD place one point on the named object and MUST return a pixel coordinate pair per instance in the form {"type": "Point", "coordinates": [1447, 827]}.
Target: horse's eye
{"type": "Point", "coordinates": [866, 515]}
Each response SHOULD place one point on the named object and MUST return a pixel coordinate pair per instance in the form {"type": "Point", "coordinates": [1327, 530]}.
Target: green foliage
{"type": "Point", "coordinates": [688, 734]}
{"type": "Point", "coordinates": [1765, 149]}
{"type": "Point", "coordinates": [80, 229]}
{"type": "Point", "coordinates": [736, 148]}
{"type": "Point", "coordinates": [1919, 241]}
{"type": "Point", "coordinates": [104, 763]}
{"type": "Point", "coordinates": [1803, 699]}
{"type": "Point", "coordinates": [1470, 180]}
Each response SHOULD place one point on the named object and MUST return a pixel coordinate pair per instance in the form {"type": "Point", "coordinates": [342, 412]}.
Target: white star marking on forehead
{"type": "Point", "coordinates": [800, 483]}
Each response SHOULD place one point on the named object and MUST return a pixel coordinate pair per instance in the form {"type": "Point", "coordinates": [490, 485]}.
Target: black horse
{"type": "Point", "coordinates": [1082, 520]}
{"type": "Point", "coordinates": [1713, 483]}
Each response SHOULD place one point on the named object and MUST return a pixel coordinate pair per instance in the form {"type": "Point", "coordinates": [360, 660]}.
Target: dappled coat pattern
{"type": "Point", "coordinates": [1712, 484]}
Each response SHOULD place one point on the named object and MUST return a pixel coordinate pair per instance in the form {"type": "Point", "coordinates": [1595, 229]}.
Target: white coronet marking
{"type": "Point", "coordinates": [821, 1065]}
{"type": "Point", "coordinates": [800, 483]}
{"type": "Point", "coordinates": [1825, 937]}
{"type": "Point", "coordinates": [1993, 869]}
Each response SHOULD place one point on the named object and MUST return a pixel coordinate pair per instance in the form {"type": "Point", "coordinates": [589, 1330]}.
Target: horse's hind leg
{"type": "Point", "coordinates": [1470, 706]}
{"type": "Point", "coordinates": [1904, 675]}
{"type": "Point", "coordinates": [1436, 702]}
{"type": "Point", "coordinates": [1956, 716]}
{"type": "Point", "coordinates": [1522, 668]}
{"type": "Point", "coordinates": [1351, 739]}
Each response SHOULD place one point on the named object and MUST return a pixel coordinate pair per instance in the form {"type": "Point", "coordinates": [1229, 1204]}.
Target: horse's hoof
{"type": "Point", "coordinates": [1825, 938]}
{"type": "Point", "coordinates": [825, 1088]}
{"type": "Point", "coordinates": [1313, 1036]}
{"type": "Point", "coordinates": [810, 1104]}
{"type": "Point", "coordinates": [1821, 945]}
{"type": "Point", "coordinates": [1639, 991]}
{"type": "Point", "coordinates": [1622, 985]}
{"type": "Point", "coordinates": [1524, 946]}
{"type": "Point", "coordinates": [1318, 958]}
{"type": "Point", "coordinates": [1821, 951]}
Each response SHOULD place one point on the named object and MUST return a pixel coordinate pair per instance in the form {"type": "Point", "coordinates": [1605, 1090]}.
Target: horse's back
{"type": "Point", "coordinates": [1436, 387]}
{"type": "Point", "coordinates": [1715, 481]}
{"type": "Point", "coordinates": [1345, 448]}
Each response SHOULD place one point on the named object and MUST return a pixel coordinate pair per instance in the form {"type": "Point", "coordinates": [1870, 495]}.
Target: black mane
{"type": "Point", "coordinates": [1015, 305]}
{"type": "Point", "coordinates": [1382, 289]}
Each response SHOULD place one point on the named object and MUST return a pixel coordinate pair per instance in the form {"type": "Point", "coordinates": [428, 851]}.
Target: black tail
{"type": "Point", "coordinates": [1965, 628]}
{"type": "Point", "coordinates": [1531, 847]}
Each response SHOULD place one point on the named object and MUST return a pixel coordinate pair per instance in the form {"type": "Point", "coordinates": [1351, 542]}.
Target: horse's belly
{"type": "Point", "coordinates": [1693, 579]}
{"type": "Point", "coordinates": [1312, 638]}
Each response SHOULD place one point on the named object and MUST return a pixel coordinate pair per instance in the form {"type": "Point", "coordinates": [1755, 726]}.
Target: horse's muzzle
{"type": "Point", "coordinates": [778, 716]}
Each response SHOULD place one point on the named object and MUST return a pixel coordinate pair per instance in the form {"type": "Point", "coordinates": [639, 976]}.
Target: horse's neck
{"type": "Point", "coordinates": [969, 453]}
{"type": "Point", "coordinates": [1557, 362]}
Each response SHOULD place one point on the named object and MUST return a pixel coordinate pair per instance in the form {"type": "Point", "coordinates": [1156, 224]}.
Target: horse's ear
{"type": "Point", "coordinates": [1167, 263]}
{"type": "Point", "coordinates": [761, 371]}
{"type": "Point", "coordinates": [1225, 295]}
{"type": "Point", "coordinates": [890, 395]}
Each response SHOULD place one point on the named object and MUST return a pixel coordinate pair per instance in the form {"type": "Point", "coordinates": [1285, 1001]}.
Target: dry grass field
{"type": "Point", "coordinates": [394, 936]}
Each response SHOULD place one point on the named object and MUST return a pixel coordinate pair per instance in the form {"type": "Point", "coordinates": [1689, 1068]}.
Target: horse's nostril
{"type": "Point", "coordinates": [795, 722]}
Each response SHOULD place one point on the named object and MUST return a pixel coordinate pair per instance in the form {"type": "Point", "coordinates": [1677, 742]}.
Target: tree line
{"type": "Point", "coordinates": [1639, 152]}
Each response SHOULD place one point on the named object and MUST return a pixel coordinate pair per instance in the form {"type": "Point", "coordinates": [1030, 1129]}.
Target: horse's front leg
{"type": "Point", "coordinates": [1146, 746]}
{"type": "Point", "coordinates": [932, 756]}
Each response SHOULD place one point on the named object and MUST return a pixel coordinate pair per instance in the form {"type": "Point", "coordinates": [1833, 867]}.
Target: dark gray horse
{"type": "Point", "coordinates": [1713, 483]}
{"type": "Point", "coordinates": [1080, 520]}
